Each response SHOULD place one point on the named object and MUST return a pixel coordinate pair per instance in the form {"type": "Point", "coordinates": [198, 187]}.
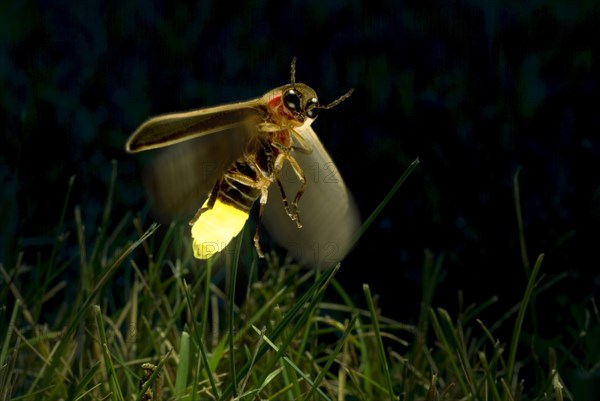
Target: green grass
{"type": "Point", "coordinates": [127, 317]}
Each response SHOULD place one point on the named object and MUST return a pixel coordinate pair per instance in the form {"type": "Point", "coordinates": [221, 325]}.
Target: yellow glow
{"type": "Point", "coordinates": [215, 228]}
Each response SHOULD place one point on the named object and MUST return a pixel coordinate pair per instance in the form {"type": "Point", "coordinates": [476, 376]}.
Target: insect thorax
{"type": "Point", "coordinates": [249, 175]}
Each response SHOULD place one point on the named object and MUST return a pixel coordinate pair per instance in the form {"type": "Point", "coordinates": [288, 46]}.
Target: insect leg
{"type": "Point", "coordinates": [303, 146]}
{"type": "Point", "coordinates": [295, 217]}
{"type": "Point", "coordinates": [212, 198]}
{"type": "Point", "coordinates": [300, 174]}
{"type": "Point", "coordinates": [293, 210]}
{"type": "Point", "coordinates": [263, 201]}
{"type": "Point", "coordinates": [268, 127]}
{"type": "Point", "coordinates": [261, 183]}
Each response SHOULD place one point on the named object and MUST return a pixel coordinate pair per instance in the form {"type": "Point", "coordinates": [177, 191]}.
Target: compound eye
{"type": "Point", "coordinates": [292, 101]}
{"type": "Point", "coordinates": [312, 108]}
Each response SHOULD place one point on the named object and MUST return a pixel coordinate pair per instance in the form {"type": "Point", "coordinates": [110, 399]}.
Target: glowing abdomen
{"type": "Point", "coordinates": [215, 228]}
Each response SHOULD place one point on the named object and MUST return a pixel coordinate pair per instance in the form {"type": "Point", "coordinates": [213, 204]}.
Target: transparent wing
{"type": "Point", "coordinates": [329, 216]}
{"type": "Point", "coordinates": [179, 177]}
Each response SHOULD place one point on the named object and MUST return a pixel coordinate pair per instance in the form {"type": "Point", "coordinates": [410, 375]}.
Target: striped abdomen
{"type": "Point", "coordinates": [225, 212]}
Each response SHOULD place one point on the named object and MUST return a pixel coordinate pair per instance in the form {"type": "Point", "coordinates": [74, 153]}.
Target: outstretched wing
{"type": "Point", "coordinates": [169, 129]}
{"type": "Point", "coordinates": [329, 217]}
{"type": "Point", "coordinates": [180, 176]}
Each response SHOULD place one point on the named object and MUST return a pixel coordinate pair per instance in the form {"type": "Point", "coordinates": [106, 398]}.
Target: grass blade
{"type": "Point", "coordinates": [387, 199]}
{"type": "Point", "coordinates": [183, 367]}
{"type": "Point", "coordinates": [512, 354]}
{"type": "Point", "coordinates": [380, 349]}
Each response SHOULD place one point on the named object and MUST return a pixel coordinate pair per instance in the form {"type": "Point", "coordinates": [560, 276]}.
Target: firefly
{"type": "Point", "coordinates": [226, 158]}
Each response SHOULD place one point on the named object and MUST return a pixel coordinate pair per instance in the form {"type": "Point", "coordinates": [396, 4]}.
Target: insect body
{"type": "Point", "coordinates": [271, 140]}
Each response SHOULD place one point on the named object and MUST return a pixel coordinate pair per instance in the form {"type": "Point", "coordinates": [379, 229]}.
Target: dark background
{"type": "Point", "coordinates": [478, 91]}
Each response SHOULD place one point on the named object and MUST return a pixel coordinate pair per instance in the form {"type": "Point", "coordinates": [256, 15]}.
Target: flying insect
{"type": "Point", "coordinates": [230, 155]}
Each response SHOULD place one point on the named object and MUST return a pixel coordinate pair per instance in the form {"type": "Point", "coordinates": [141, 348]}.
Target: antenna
{"type": "Point", "coordinates": [293, 77]}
